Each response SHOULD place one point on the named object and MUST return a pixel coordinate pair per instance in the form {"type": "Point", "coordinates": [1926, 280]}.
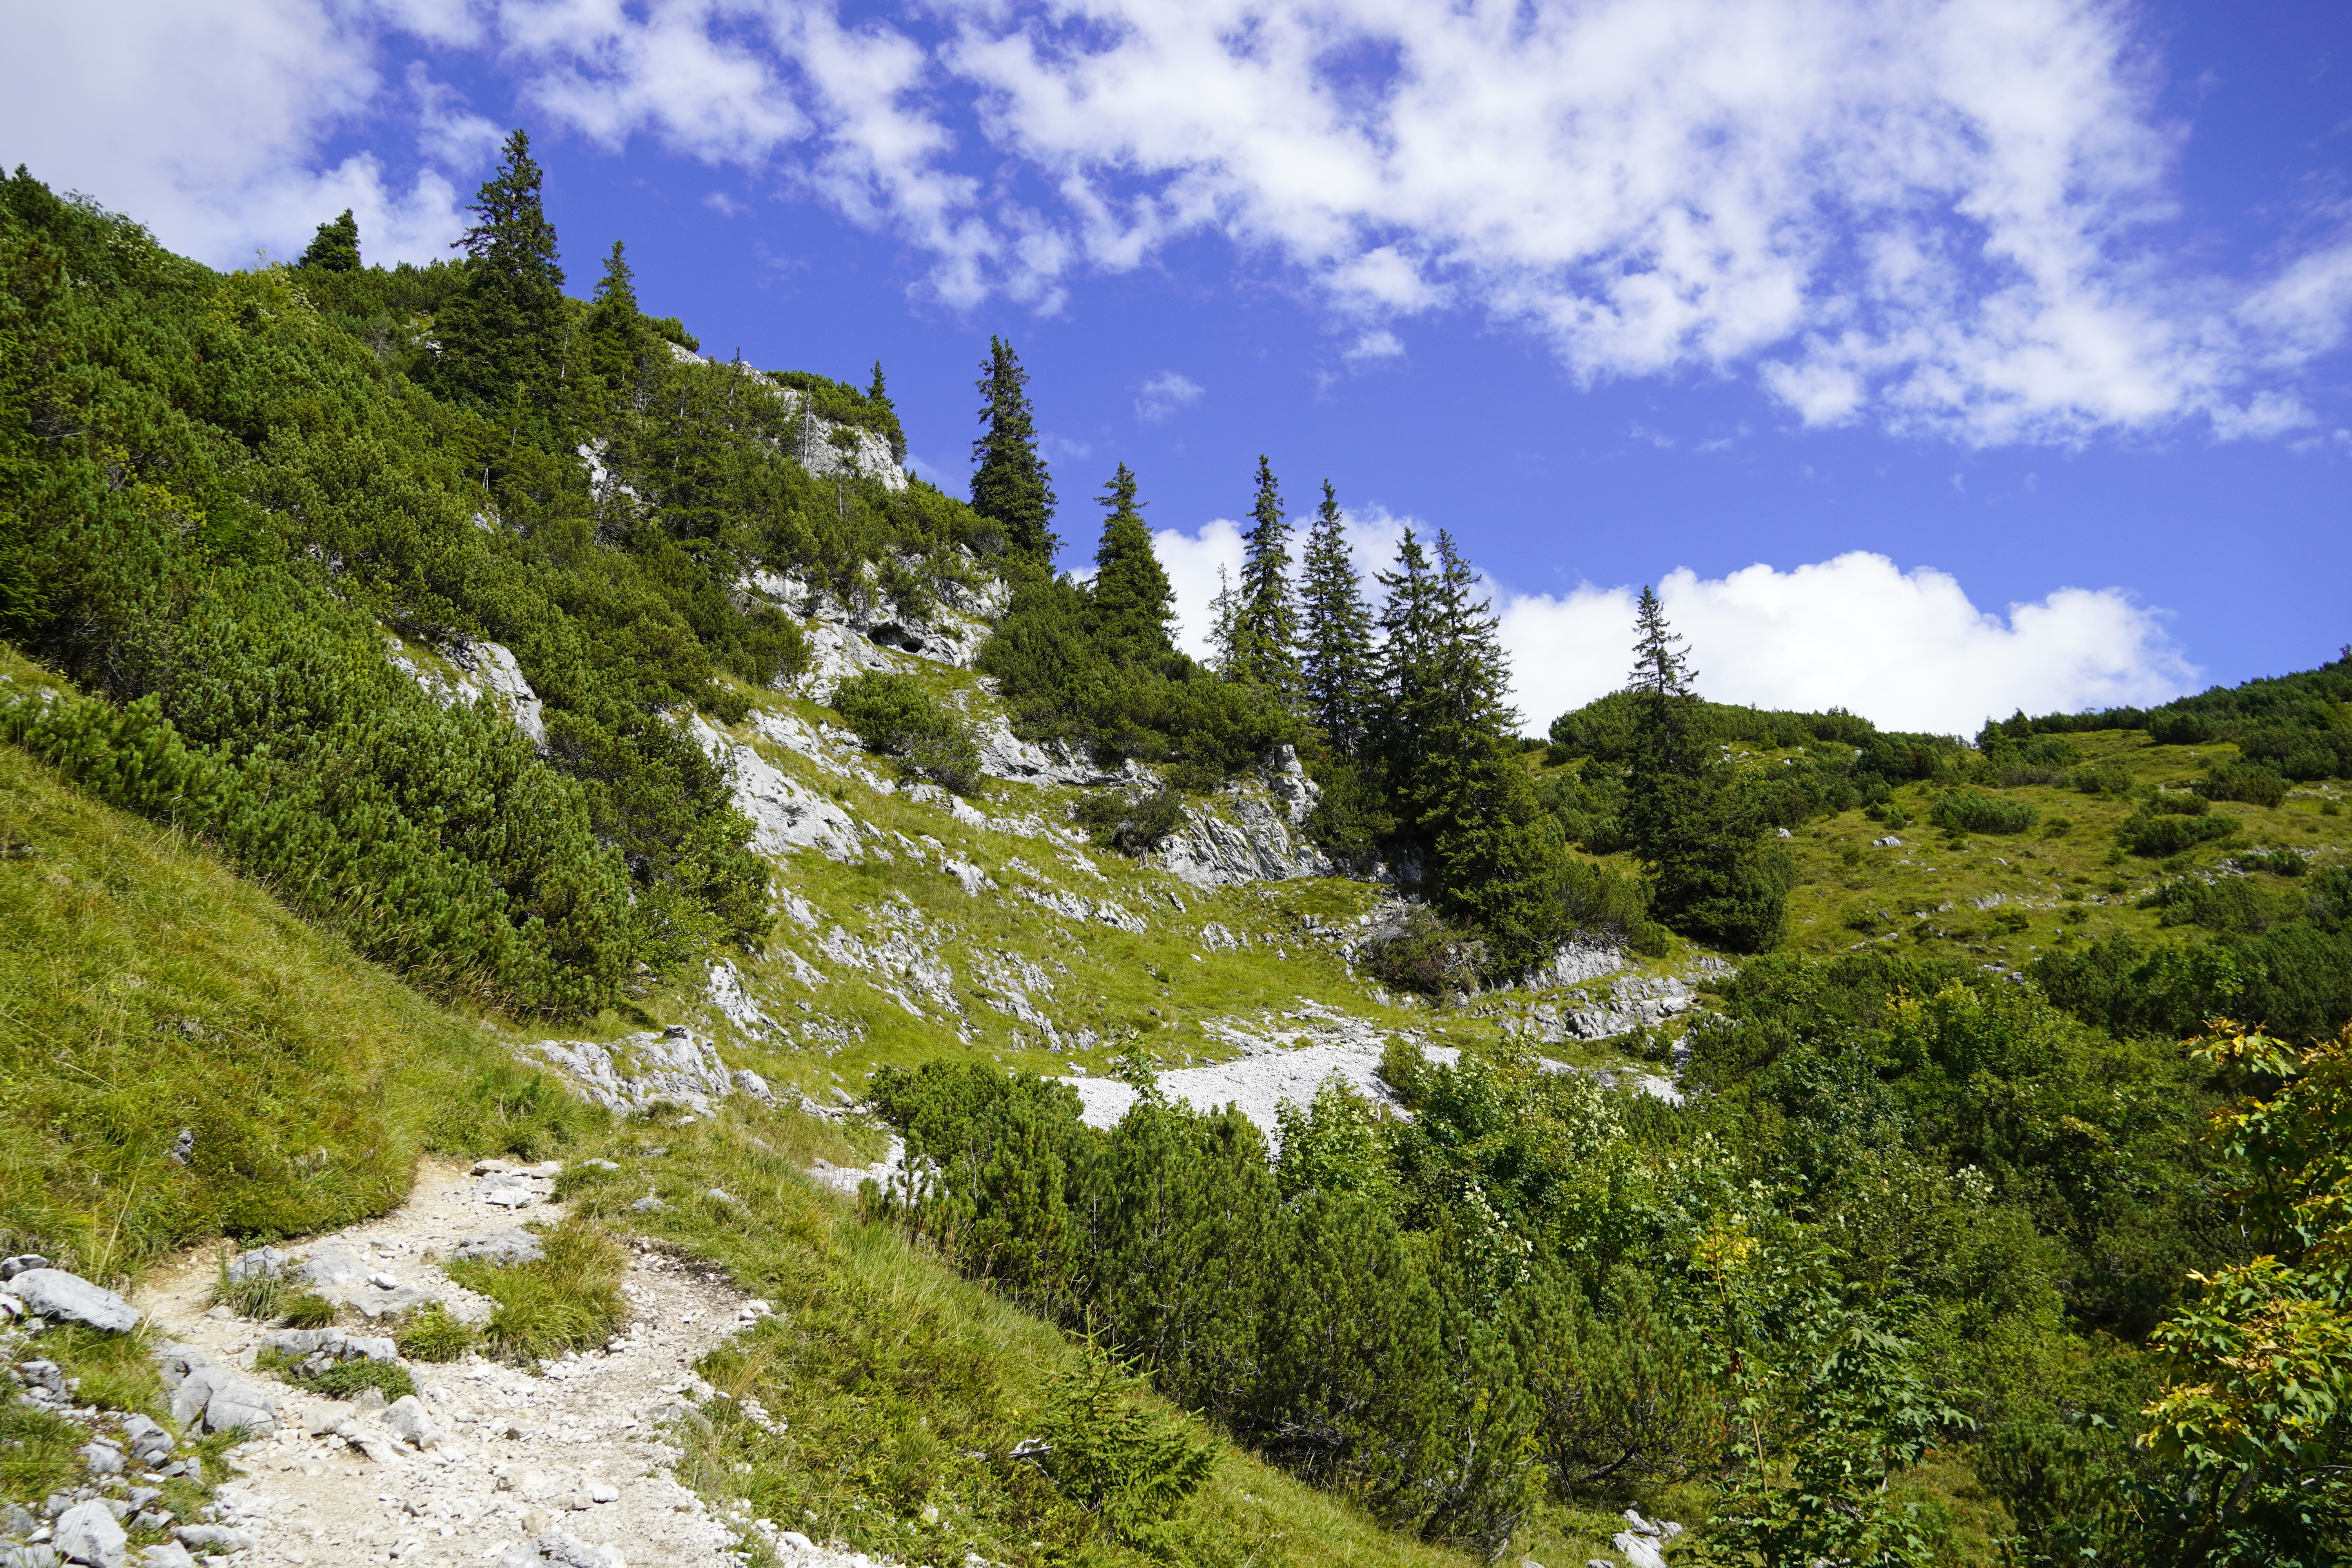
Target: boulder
{"type": "Point", "coordinates": [332, 1264]}
{"type": "Point", "coordinates": [89, 1533]}
{"type": "Point", "coordinates": [407, 1421]}
{"type": "Point", "coordinates": [505, 1246]}
{"type": "Point", "coordinates": [54, 1293]}
{"type": "Point", "coordinates": [213, 1538]}
{"type": "Point", "coordinates": [261, 1263]}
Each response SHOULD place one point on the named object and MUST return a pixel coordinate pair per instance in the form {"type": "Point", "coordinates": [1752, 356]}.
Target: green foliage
{"type": "Point", "coordinates": [307, 1310]}
{"type": "Point", "coordinates": [1427, 955]}
{"type": "Point", "coordinates": [1130, 605]}
{"type": "Point", "coordinates": [1132, 823]}
{"type": "Point", "coordinates": [1265, 627]}
{"type": "Point", "coordinates": [431, 1334]}
{"type": "Point", "coordinates": [336, 246]}
{"type": "Point", "coordinates": [144, 990]}
{"type": "Point", "coordinates": [1009, 481]}
{"type": "Point", "coordinates": [1335, 651]}
{"type": "Point", "coordinates": [503, 333]}
{"type": "Point", "coordinates": [2250, 782]}
{"type": "Point", "coordinates": [1127, 1463]}
{"type": "Point", "coordinates": [347, 1379]}
{"type": "Point", "coordinates": [896, 714]}
{"type": "Point", "coordinates": [2159, 830]}
{"type": "Point", "coordinates": [1968, 811]}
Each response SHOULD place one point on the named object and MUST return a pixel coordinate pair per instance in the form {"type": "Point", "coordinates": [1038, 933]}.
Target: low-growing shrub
{"type": "Point", "coordinates": [1133, 825]}
{"type": "Point", "coordinates": [1601, 901]}
{"type": "Point", "coordinates": [1127, 1463]}
{"type": "Point", "coordinates": [2277, 862]}
{"type": "Point", "coordinates": [2249, 781]}
{"type": "Point", "coordinates": [1967, 811]}
{"type": "Point", "coordinates": [1420, 952]}
{"type": "Point", "coordinates": [895, 715]}
{"type": "Point", "coordinates": [2155, 835]}
{"type": "Point", "coordinates": [255, 1296]}
{"type": "Point", "coordinates": [307, 1310]}
{"type": "Point", "coordinates": [347, 1380]}
{"type": "Point", "coordinates": [2100, 778]}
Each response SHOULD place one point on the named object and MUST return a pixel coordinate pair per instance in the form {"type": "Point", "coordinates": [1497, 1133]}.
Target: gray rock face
{"type": "Point", "coordinates": [261, 1263]}
{"type": "Point", "coordinates": [477, 668]}
{"type": "Point", "coordinates": [676, 1066]}
{"type": "Point", "coordinates": [54, 1293]}
{"type": "Point", "coordinates": [89, 1533]}
{"type": "Point", "coordinates": [511, 1245]}
{"type": "Point", "coordinates": [406, 1419]}
{"type": "Point", "coordinates": [332, 1342]}
{"type": "Point", "coordinates": [332, 1264]}
{"type": "Point", "coordinates": [785, 813]}
{"type": "Point", "coordinates": [1575, 963]}
{"type": "Point", "coordinates": [1255, 831]}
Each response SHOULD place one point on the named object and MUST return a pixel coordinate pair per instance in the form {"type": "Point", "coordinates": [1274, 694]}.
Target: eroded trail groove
{"type": "Point", "coordinates": [573, 1463]}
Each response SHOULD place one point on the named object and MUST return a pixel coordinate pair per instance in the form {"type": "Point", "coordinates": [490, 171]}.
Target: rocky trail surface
{"type": "Point", "coordinates": [489, 1464]}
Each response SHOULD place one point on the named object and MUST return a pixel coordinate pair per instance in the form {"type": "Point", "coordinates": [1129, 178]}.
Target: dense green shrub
{"type": "Point", "coordinates": [1427, 955]}
{"type": "Point", "coordinates": [2159, 829]}
{"type": "Point", "coordinates": [2250, 782]}
{"type": "Point", "coordinates": [1967, 811]}
{"type": "Point", "coordinates": [898, 715]}
{"type": "Point", "coordinates": [1134, 823]}
{"type": "Point", "coordinates": [1598, 899]}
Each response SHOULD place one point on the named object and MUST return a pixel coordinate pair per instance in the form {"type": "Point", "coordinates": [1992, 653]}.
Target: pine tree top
{"type": "Point", "coordinates": [1131, 599]}
{"type": "Point", "coordinates": [1011, 482]}
{"type": "Point", "coordinates": [1661, 667]}
{"type": "Point", "coordinates": [336, 246]}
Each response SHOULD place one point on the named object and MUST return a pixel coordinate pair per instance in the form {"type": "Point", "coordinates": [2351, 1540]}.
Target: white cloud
{"type": "Point", "coordinates": [1908, 650]}
{"type": "Point", "coordinates": [1374, 346]}
{"type": "Point", "coordinates": [1953, 217]}
{"type": "Point", "coordinates": [1164, 393]}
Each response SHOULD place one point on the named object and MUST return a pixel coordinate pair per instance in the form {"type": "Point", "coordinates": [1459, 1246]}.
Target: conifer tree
{"type": "Point", "coordinates": [1009, 483]}
{"type": "Point", "coordinates": [502, 334]}
{"type": "Point", "coordinates": [623, 347]}
{"type": "Point", "coordinates": [336, 246]}
{"type": "Point", "coordinates": [877, 393]}
{"type": "Point", "coordinates": [1712, 876]}
{"type": "Point", "coordinates": [1131, 604]}
{"type": "Point", "coordinates": [1337, 647]}
{"type": "Point", "coordinates": [1267, 640]}
{"type": "Point", "coordinates": [1224, 625]}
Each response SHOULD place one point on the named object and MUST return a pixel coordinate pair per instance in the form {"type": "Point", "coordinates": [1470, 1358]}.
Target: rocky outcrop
{"type": "Point", "coordinates": [1252, 831]}
{"type": "Point", "coordinates": [864, 628]}
{"type": "Point", "coordinates": [465, 671]}
{"type": "Point", "coordinates": [820, 446]}
{"type": "Point", "coordinates": [676, 1066]}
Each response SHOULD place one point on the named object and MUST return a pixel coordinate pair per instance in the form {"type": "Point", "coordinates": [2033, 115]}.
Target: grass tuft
{"type": "Point", "coordinates": [434, 1334]}
{"type": "Point", "coordinates": [569, 1299]}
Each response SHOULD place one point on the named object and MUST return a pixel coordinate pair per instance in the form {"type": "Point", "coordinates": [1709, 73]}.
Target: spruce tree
{"type": "Point", "coordinates": [1335, 648]}
{"type": "Point", "coordinates": [502, 333]}
{"type": "Point", "coordinates": [336, 246]}
{"type": "Point", "coordinates": [623, 348]}
{"type": "Point", "coordinates": [1712, 874]}
{"type": "Point", "coordinates": [1225, 627]}
{"type": "Point", "coordinates": [1009, 483]}
{"type": "Point", "coordinates": [877, 394]}
{"type": "Point", "coordinates": [1131, 604]}
{"type": "Point", "coordinates": [1268, 644]}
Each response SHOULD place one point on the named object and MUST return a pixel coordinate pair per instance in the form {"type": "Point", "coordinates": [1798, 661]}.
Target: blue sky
{"type": "Point", "coordinates": [1939, 358]}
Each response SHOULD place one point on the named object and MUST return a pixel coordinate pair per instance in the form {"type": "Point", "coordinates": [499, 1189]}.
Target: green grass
{"type": "Point", "coordinates": [895, 1390]}
{"type": "Point", "coordinates": [568, 1299]}
{"type": "Point", "coordinates": [145, 989]}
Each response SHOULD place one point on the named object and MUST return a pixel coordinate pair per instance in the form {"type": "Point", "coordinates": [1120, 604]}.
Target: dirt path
{"type": "Point", "coordinates": [567, 1466]}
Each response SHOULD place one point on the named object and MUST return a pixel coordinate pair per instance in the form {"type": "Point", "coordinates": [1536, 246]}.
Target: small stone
{"type": "Point", "coordinates": [603, 1492]}
{"type": "Point", "coordinates": [370, 1399]}
{"type": "Point", "coordinates": [54, 1293]}
{"type": "Point", "coordinates": [795, 1540]}
{"type": "Point", "coordinates": [12, 1267]}
{"type": "Point", "coordinates": [407, 1420]}
{"type": "Point", "coordinates": [383, 1281]}
{"type": "Point", "coordinates": [647, 1205]}
{"type": "Point", "coordinates": [212, 1538]}
{"type": "Point", "coordinates": [331, 1264]}
{"type": "Point", "coordinates": [103, 1458]}
{"type": "Point", "coordinates": [16, 1523]}
{"type": "Point", "coordinates": [599, 1165]}
{"type": "Point", "coordinates": [89, 1533]}
{"type": "Point", "coordinates": [491, 1167]}
{"type": "Point", "coordinates": [220, 1314]}
{"type": "Point", "coordinates": [167, 1554]}
{"type": "Point", "coordinates": [326, 1418]}
{"type": "Point", "coordinates": [507, 1246]}
{"type": "Point", "coordinates": [722, 1196]}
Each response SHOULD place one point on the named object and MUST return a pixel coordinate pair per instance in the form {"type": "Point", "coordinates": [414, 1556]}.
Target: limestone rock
{"type": "Point", "coordinates": [1253, 831]}
{"type": "Point", "coordinates": [261, 1263]}
{"type": "Point", "coordinates": [213, 1538]}
{"type": "Point", "coordinates": [406, 1419]}
{"type": "Point", "coordinates": [510, 1245]}
{"type": "Point", "coordinates": [54, 1293]}
{"type": "Point", "coordinates": [89, 1533]}
{"type": "Point", "coordinates": [678, 1066]}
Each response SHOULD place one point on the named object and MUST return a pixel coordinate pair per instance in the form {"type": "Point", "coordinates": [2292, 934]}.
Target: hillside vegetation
{"type": "Point", "coordinates": [434, 694]}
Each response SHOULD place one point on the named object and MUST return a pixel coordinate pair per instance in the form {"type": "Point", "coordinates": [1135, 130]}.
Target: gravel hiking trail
{"type": "Point", "coordinates": [570, 1464]}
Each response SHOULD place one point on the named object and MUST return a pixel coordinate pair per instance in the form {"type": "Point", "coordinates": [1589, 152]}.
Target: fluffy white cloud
{"type": "Point", "coordinates": [1164, 393]}
{"type": "Point", "coordinates": [1947, 216]}
{"type": "Point", "coordinates": [1906, 649]}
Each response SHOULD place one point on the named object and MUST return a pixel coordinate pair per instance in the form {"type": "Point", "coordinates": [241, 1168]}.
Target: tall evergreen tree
{"type": "Point", "coordinates": [1335, 648]}
{"type": "Point", "coordinates": [877, 393]}
{"type": "Point", "coordinates": [1268, 644]}
{"type": "Point", "coordinates": [1131, 604]}
{"type": "Point", "coordinates": [1712, 874]}
{"type": "Point", "coordinates": [622, 349]}
{"type": "Point", "coordinates": [502, 334]}
{"type": "Point", "coordinates": [1009, 483]}
{"type": "Point", "coordinates": [1439, 730]}
{"type": "Point", "coordinates": [336, 246]}
{"type": "Point", "coordinates": [1225, 627]}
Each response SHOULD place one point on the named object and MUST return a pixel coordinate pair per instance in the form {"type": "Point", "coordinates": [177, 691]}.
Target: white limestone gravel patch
{"type": "Point", "coordinates": [555, 1466]}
